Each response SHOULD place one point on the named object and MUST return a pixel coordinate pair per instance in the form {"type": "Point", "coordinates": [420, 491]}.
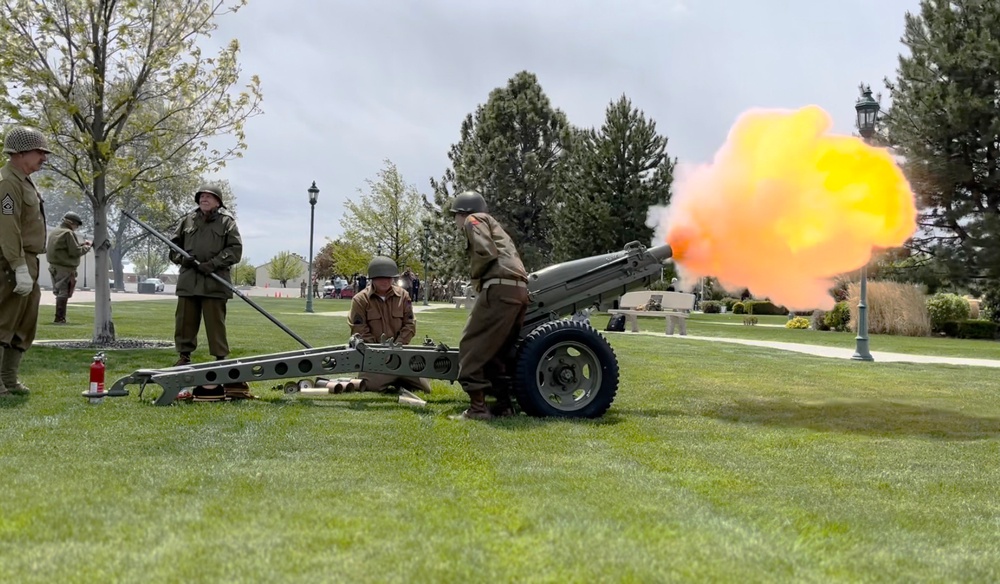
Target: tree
{"type": "Point", "coordinates": [619, 173]}
{"type": "Point", "coordinates": [341, 256]}
{"type": "Point", "coordinates": [386, 217]}
{"type": "Point", "coordinates": [243, 273]}
{"type": "Point", "coordinates": [284, 267]}
{"type": "Point", "coordinates": [150, 260]}
{"type": "Point", "coordinates": [945, 124]}
{"type": "Point", "coordinates": [122, 90]}
{"type": "Point", "coordinates": [512, 151]}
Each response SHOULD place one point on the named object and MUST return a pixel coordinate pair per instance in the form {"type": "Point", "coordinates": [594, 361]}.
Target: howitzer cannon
{"type": "Point", "coordinates": [562, 367]}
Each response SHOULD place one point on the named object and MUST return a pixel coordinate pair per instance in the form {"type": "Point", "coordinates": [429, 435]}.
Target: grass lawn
{"type": "Point", "coordinates": [717, 462]}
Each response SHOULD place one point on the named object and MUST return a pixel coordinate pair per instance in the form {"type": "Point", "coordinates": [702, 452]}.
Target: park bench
{"type": "Point", "coordinates": [675, 308]}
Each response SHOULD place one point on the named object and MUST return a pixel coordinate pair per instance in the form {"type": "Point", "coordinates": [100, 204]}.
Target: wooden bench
{"type": "Point", "coordinates": [676, 307]}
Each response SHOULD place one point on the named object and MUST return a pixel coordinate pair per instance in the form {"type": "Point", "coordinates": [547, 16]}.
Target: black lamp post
{"type": "Point", "coordinates": [427, 283]}
{"type": "Point", "coordinates": [867, 109]}
{"type": "Point", "coordinates": [313, 195]}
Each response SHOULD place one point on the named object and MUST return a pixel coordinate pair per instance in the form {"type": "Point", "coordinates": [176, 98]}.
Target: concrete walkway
{"type": "Point", "coordinates": [833, 352]}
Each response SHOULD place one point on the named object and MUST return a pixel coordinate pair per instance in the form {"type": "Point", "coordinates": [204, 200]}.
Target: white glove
{"type": "Point", "coordinates": [23, 280]}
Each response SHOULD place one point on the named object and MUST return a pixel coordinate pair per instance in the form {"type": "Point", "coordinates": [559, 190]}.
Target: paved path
{"type": "Point", "coordinates": [835, 352]}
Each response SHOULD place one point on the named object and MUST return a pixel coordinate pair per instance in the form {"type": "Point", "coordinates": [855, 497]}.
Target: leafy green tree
{"type": "Point", "coordinates": [512, 150]}
{"type": "Point", "coordinates": [149, 261]}
{"type": "Point", "coordinates": [244, 273]}
{"type": "Point", "coordinates": [340, 256]}
{"type": "Point", "coordinates": [619, 173]}
{"type": "Point", "coordinates": [945, 125]}
{"type": "Point", "coordinates": [285, 266]}
{"type": "Point", "coordinates": [386, 217]}
{"type": "Point", "coordinates": [122, 90]}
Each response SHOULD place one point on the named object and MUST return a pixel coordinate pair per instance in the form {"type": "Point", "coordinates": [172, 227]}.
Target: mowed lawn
{"type": "Point", "coordinates": [717, 462]}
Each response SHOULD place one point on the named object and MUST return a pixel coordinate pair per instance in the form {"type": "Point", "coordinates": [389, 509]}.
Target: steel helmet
{"type": "Point", "coordinates": [382, 267]}
{"type": "Point", "coordinates": [24, 139]}
{"type": "Point", "coordinates": [71, 216]}
{"type": "Point", "coordinates": [212, 189]}
{"type": "Point", "coordinates": [469, 202]}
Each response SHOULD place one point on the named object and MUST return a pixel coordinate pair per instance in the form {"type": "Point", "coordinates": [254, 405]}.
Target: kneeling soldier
{"type": "Point", "coordinates": [385, 310]}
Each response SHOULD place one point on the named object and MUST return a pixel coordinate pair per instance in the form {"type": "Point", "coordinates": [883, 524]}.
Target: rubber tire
{"type": "Point", "coordinates": [544, 338]}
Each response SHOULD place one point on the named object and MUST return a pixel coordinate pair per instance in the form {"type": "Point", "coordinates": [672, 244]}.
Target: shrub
{"type": "Point", "coordinates": [711, 307]}
{"type": "Point", "coordinates": [750, 320]}
{"type": "Point", "coordinates": [990, 304]}
{"type": "Point", "coordinates": [819, 321]}
{"type": "Point", "coordinates": [729, 302]}
{"type": "Point", "coordinates": [738, 308]}
{"type": "Point", "coordinates": [946, 307]}
{"type": "Point", "coordinates": [893, 309]}
{"type": "Point", "coordinates": [977, 329]}
{"type": "Point", "coordinates": [763, 307]}
{"type": "Point", "coordinates": [797, 323]}
{"type": "Point", "coordinates": [838, 318]}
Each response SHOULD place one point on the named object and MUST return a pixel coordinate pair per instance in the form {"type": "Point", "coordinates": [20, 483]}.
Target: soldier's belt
{"type": "Point", "coordinates": [503, 281]}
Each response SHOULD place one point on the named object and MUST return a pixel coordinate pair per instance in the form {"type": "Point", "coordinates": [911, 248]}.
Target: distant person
{"type": "Point", "coordinates": [63, 252]}
{"type": "Point", "coordinates": [673, 285]}
{"type": "Point", "coordinates": [302, 289]}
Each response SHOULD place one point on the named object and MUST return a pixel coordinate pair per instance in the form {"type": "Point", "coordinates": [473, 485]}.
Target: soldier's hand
{"type": "Point", "coordinates": [205, 268]}
{"type": "Point", "coordinates": [189, 262]}
{"type": "Point", "coordinates": [23, 281]}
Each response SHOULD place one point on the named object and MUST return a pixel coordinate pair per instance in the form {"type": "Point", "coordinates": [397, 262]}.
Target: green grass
{"type": "Point", "coordinates": [717, 462]}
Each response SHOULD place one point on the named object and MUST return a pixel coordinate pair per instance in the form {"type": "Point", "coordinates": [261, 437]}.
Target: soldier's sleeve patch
{"type": "Point", "coordinates": [473, 220]}
{"type": "Point", "coordinates": [7, 205]}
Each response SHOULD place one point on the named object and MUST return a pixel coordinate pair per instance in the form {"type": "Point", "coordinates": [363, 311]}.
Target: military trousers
{"type": "Point", "coordinates": [18, 314]}
{"type": "Point", "coordinates": [487, 343]}
{"type": "Point", "coordinates": [187, 321]}
{"type": "Point", "coordinates": [63, 281]}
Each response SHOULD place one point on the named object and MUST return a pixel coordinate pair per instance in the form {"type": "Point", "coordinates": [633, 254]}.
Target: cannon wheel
{"type": "Point", "coordinates": [566, 369]}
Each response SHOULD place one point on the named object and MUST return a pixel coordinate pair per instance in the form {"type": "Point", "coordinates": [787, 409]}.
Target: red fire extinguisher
{"type": "Point", "coordinates": [97, 374]}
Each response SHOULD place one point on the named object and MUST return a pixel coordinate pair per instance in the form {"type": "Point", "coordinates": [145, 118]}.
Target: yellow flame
{"type": "Point", "coordinates": [785, 206]}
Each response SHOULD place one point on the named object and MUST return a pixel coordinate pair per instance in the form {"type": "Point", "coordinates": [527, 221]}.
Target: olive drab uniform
{"type": "Point", "coordinates": [214, 240]}
{"type": "Point", "coordinates": [22, 239]}
{"type": "Point", "coordinates": [63, 252]}
{"type": "Point", "coordinates": [373, 317]}
{"type": "Point", "coordinates": [499, 278]}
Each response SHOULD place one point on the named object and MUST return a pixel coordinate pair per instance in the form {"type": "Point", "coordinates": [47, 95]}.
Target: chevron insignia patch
{"type": "Point", "coordinates": [7, 206]}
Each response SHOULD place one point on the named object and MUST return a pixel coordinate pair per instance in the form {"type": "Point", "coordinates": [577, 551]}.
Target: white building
{"type": "Point", "coordinates": [264, 281]}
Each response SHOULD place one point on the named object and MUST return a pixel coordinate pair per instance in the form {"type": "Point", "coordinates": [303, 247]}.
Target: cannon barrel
{"type": "Point", "coordinates": [563, 289]}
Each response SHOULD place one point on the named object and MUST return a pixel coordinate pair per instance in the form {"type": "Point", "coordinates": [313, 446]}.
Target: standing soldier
{"type": "Point", "coordinates": [501, 286]}
{"type": "Point", "coordinates": [384, 310]}
{"type": "Point", "coordinates": [63, 252]}
{"type": "Point", "coordinates": [22, 238]}
{"type": "Point", "coordinates": [210, 236]}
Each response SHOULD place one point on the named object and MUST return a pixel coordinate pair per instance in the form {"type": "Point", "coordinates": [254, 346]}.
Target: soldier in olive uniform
{"type": "Point", "coordinates": [210, 236]}
{"type": "Point", "coordinates": [63, 252]}
{"type": "Point", "coordinates": [22, 238]}
{"type": "Point", "coordinates": [385, 310]}
{"type": "Point", "coordinates": [500, 282]}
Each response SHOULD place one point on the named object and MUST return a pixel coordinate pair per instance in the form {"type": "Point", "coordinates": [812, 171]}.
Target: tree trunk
{"type": "Point", "coordinates": [104, 326]}
{"type": "Point", "coordinates": [116, 259]}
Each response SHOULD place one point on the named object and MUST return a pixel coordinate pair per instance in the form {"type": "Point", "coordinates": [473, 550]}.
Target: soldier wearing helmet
{"type": "Point", "coordinates": [499, 278]}
{"type": "Point", "coordinates": [211, 238]}
{"type": "Point", "coordinates": [63, 252]}
{"type": "Point", "coordinates": [384, 310]}
{"type": "Point", "coordinates": [22, 238]}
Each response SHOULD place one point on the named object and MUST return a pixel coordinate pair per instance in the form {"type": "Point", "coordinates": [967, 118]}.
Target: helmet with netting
{"type": "Point", "coordinates": [382, 267]}
{"type": "Point", "coordinates": [23, 139]}
{"type": "Point", "coordinates": [469, 202]}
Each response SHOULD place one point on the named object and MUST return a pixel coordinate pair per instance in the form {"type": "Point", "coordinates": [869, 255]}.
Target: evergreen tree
{"type": "Point", "coordinates": [511, 149]}
{"type": "Point", "coordinates": [618, 173]}
{"type": "Point", "coordinates": [945, 124]}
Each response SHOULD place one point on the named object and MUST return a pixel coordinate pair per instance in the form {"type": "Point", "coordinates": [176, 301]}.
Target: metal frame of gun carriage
{"type": "Point", "coordinates": [562, 367]}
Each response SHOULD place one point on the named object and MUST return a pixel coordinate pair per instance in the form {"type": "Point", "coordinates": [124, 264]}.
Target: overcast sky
{"type": "Point", "coordinates": [348, 84]}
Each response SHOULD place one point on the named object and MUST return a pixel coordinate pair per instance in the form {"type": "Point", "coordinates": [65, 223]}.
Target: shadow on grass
{"type": "Point", "coordinates": [873, 417]}
{"type": "Point", "coordinates": [13, 401]}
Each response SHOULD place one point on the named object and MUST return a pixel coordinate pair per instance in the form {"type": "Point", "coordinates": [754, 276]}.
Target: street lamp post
{"type": "Point", "coordinates": [867, 109]}
{"type": "Point", "coordinates": [427, 283]}
{"type": "Point", "coordinates": [313, 195]}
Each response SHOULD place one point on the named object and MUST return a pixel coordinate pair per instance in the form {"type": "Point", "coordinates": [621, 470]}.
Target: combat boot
{"type": "Point", "coordinates": [61, 310]}
{"type": "Point", "coordinates": [185, 359]}
{"type": "Point", "coordinates": [9, 365]}
{"type": "Point", "coordinates": [477, 408]}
